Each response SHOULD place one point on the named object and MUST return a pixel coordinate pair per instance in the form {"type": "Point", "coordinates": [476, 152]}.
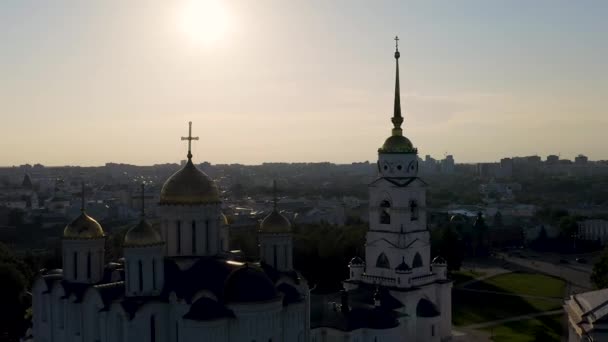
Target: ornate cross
{"type": "Point", "coordinates": [397, 42]}
{"type": "Point", "coordinates": [189, 138]}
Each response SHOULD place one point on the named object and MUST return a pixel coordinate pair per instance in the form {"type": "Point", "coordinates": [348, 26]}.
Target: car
{"type": "Point", "coordinates": [563, 261]}
{"type": "Point", "coordinates": [581, 260]}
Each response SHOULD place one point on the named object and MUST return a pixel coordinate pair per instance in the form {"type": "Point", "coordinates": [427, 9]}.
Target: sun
{"type": "Point", "coordinates": [204, 21]}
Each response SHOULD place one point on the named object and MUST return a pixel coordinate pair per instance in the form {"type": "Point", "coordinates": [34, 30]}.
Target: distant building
{"type": "Point", "coordinates": [552, 159]}
{"type": "Point", "coordinates": [593, 230]}
{"type": "Point", "coordinates": [581, 160]}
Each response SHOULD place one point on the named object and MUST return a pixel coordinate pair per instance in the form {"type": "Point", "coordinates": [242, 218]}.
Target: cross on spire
{"type": "Point", "coordinates": [397, 119]}
{"type": "Point", "coordinates": [396, 43]}
{"type": "Point", "coordinates": [189, 138]}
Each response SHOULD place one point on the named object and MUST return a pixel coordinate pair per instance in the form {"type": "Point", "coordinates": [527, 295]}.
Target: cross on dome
{"type": "Point", "coordinates": [190, 138]}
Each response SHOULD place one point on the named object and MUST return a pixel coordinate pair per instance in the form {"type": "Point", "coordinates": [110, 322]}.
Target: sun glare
{"type": "Point", "coordinates": [204, 21]}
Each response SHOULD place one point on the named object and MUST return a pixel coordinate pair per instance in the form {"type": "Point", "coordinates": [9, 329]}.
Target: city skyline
{"type": "Point", "coordinates": [90, 83]}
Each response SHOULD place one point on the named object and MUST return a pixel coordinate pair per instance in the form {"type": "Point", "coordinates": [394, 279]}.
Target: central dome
{"type": "Point", "coordinates": [143, 234]}
{"type": "Point", "coordinates": [189, 186]}
{"type": "Point", "coordinates": [397, 144]}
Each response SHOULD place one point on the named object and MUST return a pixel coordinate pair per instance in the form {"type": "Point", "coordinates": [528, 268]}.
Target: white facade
{"type": "Point", "coordinates": [593, 230]}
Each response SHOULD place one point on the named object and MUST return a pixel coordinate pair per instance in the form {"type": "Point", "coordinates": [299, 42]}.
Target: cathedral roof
{"type": "Point", "coordinates": [206, 309]}
{"type": "Point", "coordinates": [426, 308]}
{"type": "Point", "coordinates": [189, 186]}
{"type": "Point", "coordinates": [249, 284]}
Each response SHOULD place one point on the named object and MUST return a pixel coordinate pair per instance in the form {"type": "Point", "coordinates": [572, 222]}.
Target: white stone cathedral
{"type": "Point", "coordinates": [181, 284]}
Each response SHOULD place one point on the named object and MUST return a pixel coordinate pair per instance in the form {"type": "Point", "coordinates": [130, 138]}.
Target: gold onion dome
{"type": "Point", "coordinates": [189, 186]}
{"type": "Point", "coordinates": [143, 234]}
{"type": "Point", "coordinates": [275, 223]}
{"type": "Point", "coordinates": [224, 219]}
{"type": "Point", "coordinates": [83, 227]}
{"type": "Point", "coordinates": [397, 144]}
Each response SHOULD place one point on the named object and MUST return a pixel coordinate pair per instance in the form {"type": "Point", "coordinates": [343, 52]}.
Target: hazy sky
{"type": "Point", "coordinates": [89, 82]}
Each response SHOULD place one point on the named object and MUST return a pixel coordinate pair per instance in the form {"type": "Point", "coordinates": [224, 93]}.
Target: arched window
{"type": "Point", "coordinates": [178, 233]}
{"type": "Point", "coordinates": [194, 237]}
{"type": "Point", "coordinates": [417, 261]}
{"type": "Point", "coordinates": [141, 276]}
{"type": "Point", "coordinates": [274, 256]}
{"type": "Point", "coordinates": [382, 261]}
{"type": "Point", "coordinates": [385, 214]}
{"type": "Point", "coordinates": [152, 328]}
{"type": "Point", "coordinates": [413, 211]}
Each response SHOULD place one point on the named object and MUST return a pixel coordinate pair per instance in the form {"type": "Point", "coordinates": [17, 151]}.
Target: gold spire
{"type": "Point", "coordinates": [189, 138]}
{"type": "Point", "coordinates": [397, 143]}
{"type": "Point", "coordinates": [397, 118]}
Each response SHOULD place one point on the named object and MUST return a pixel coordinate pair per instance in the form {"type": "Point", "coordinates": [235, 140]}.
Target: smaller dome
{"type": "Point", "coordinates": [356, 261]}
{"type": "Point", "coordinates": [248, 284]}
{"type": "Point", "coordinates": [275, 223]}
{"type": "Point", "coordinates": [397, 144]}
{"type": "Point", "coordinates": [439, 260]}
{"type": "Point", "coordinates": [403, 267]}
{"type": "Point", "coordinates": [143, 234]}
{"type": "Point", "coordinates": [83, 227]}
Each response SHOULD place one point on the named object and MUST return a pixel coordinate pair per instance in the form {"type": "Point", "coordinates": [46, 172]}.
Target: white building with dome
{"type": "Point", "coordinates": [179, 283]}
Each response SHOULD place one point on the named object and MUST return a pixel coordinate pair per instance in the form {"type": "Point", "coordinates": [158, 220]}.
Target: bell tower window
{"type": "Point", "coordinates": [413, 211]}
{"type": "Point", "coordinates": [382, 261]}
{"type": "Point", "coordinates": [417, 261]}
{"type": "Point", "coordinates": [385, 214]}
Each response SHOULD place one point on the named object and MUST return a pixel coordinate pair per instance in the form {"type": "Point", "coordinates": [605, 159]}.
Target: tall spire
{"type": "Point", "coordinates": [189, 138]}
{"type": "Point", "coordinates": [397, 119]}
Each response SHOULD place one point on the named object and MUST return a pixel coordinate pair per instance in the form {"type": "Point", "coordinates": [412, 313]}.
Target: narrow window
{"type": "Point", "coordinates": [207, 237]}
{"type": "Point", "coordinates": [193, 237]}
{"type": "Point", "coordinates": [75, 266]}
{"type": "Point", "coordinates": [385, 215]}
{"type": "Point", "coordinates": [179, 237]}
{"type": "Point", "coordinates": [152, 329]}
{"type": "Point", "coordinates": [433, 330]}
{"type": "Point", "coordinates": [274, 252]}
{"type": "Point", "coordinates": [286, 254]}
{"type": "Point", "coordinates": [417, 261]}
{"type": "Point", "coordinates": [89, 265]}
{"type": "Point", "coordinates": [154, 274]}
{"type": "Point", "coordinates": [176, 331]}
{"type": "Point", "coordinates": [141, 277]}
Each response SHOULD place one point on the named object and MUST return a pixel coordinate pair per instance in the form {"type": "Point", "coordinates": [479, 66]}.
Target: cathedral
{"type": "Point", "coordinates": [180, 283]}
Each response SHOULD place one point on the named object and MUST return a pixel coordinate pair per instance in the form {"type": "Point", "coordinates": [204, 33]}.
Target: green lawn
{"type": "Point", "coordinates": [546, 329]}
{"type": "Point", "coordinates": [523, 283]}
{"type": "Point", "coordinates": [475, 307]}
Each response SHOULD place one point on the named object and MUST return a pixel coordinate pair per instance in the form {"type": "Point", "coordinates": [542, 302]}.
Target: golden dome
{"type": "Point", "coordinates": [275, 223]}
{"type": "Point", "coordinates": [397, 144]}
{"type": "Point", "coordinates": [83, 227]}
{"type": "Point", "coordinates": [143, 234]}
{"type": "Point", "coordinates": [189, 186]}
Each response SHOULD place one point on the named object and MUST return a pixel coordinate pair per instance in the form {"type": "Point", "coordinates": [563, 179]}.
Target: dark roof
{"type": "Point", "coordinates": [326, 311]}
{"type": "Point", "coordinates": [290, 294]}
{"type": "Point", "coordinates": [249, 284]}
{"type": "Point", "coordinates": [275, 274]}
{"type": "Point", "coordinates": [207, 309]}
{"type": "Point", "coordinates": [111, 292]}
{"type": "Point", "coordinates": [426, 308]}
{"type": "Point", "coordinates": [356, 261]}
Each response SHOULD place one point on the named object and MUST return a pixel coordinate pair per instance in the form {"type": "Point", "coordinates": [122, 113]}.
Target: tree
{"type": "Point", "coordinates": [599, 276]}
{"type": "Point", "coordinates": [12, 290]}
